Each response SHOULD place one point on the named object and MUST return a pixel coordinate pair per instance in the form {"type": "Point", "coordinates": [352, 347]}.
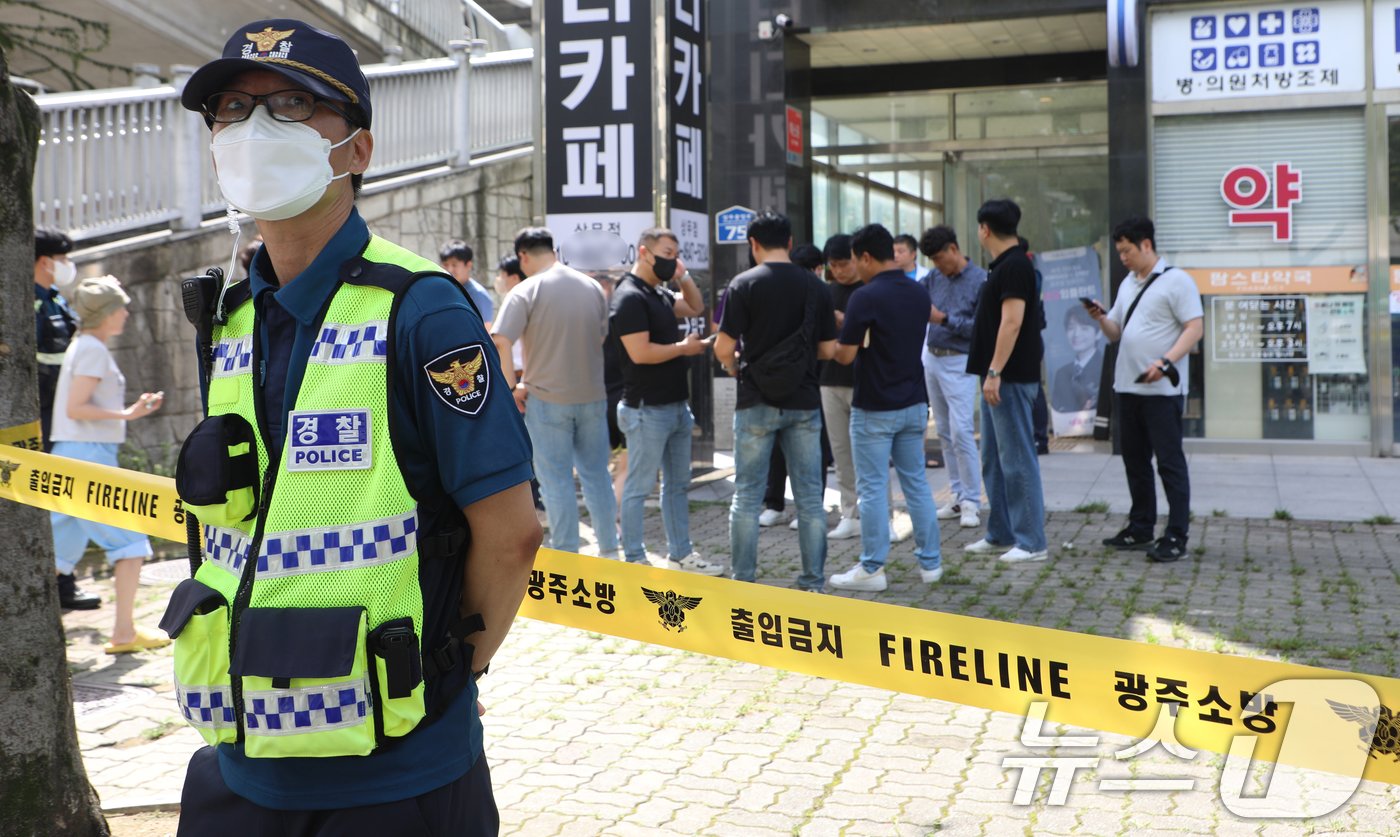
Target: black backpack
{"type": "Point", "coordinates": [780, 371]}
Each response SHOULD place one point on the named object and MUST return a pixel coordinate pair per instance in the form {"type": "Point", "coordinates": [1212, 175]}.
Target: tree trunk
{"type": "Point", "coordinates": [44, 789]}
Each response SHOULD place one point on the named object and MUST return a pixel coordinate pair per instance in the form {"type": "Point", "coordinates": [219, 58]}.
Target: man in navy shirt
{"type": "Point", "coordinates": [883, 334]}
{"type": "Point", "coordinates": [311, 247]}
{"type": "Point", "coordinates": [1006, 353]}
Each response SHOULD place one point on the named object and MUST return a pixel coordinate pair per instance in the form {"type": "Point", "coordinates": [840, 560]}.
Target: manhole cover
{"type": "Point", "coordinates": [95, 697]}
{"type": "Point", "coordinates": [165, 572]}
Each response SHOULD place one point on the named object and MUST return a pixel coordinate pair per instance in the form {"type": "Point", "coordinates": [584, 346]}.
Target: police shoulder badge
{"type": "Point", "coordinates": [461, 378]}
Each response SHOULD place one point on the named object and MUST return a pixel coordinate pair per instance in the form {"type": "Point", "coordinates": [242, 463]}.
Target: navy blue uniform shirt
{"type": "Point", "coordinates": [441, 451]}
{"type": "Point", "coordinates": [890, 371]}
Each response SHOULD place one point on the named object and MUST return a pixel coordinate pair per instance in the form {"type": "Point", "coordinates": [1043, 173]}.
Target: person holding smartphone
{"type": "Point", "coordinates": [1155, 320]}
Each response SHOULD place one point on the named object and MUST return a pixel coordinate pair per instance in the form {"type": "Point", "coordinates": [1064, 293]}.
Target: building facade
{"type": "Point", "coordinates": [1259, 136]}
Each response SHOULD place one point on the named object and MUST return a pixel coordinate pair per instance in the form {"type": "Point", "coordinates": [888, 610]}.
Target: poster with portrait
{"type": "Point", "coordinates": [1074, 344]}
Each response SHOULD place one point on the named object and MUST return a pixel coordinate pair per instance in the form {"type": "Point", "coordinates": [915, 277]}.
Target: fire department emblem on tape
{"type": "Point", "coordinates": [1380, 728]}
{"type": "Point", "coordinates": [6, 469]}
{"type": "Point", "coordinates": [671, 607]}
{"type": "Point", "coordinates": [461, 378]}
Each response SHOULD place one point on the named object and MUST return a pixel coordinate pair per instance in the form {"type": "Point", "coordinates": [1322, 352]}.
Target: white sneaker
{"type": "Point", "coordinates": [898, 534]}
{"type": "Point", "coordinates": [691, 563]}
{"type": "Point", "coordinates": [856, 578]}
{"type": "Point", "coordinates": [931, 576]}
{"type": "Point", "coordinates": [770, 517]}
{"type": "Point", "coordinates": [949, 511]}
{"type": "Point", "coordinates": [968, 519]}
{"type": "Point", "coordinates": [1017, 555]}
{"type": "Point", "coordinates": [847, 528]}
{"type": "Point", "coordinates": [793, 525]}
{"type": "Point", "coordinates": [611, 555]}
{"type": "Point", "coordinates": [984, 547]}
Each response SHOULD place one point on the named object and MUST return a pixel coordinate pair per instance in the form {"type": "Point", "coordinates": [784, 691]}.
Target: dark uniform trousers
{"type": "Point", "coordinates": [1150, 425]}
{"type": "Point", "coordinates": [462, 808]}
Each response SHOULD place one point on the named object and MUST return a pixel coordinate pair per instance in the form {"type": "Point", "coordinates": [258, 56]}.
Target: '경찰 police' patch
{"type": "Point", "coordinates": [329, 440]}
{"type": "Point", "coordinates": [461, 378]}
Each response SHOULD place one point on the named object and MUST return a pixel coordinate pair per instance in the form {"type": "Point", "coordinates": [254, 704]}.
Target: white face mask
{"type": "Point", "coordinates": [273, 170]}
{"type": "Point", "coordinates": [64, 272]}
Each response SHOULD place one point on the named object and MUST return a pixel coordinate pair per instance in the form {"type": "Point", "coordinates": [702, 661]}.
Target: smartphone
{"type": "Point", "coordinates": [1090, 304]}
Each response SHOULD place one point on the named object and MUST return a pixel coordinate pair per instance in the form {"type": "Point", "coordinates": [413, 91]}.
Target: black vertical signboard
{"type": "Point", "coordinates": [598, 128]}
{"type": "Point", "coordinates": [687, 91]}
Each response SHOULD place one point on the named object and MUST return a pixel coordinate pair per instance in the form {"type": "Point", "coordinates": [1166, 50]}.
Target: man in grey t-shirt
{"type": "Point", "coordinates": [562, 316]}
{"type": "Point", "coordinates": [1150, 379]}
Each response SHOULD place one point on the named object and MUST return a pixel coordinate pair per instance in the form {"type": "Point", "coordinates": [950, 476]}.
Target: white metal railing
{"type": "Point", "coordinates": [127, 159]}
{"type": "Point", "coordinates": [502, 100]}
{"type": "Point", "coordinates": [439, 21]}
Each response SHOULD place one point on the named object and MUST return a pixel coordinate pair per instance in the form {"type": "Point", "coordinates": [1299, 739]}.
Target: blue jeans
{"type": "Point", "coordinates": [878, 436]}
{"type": "Point", "coordinates": [71, 534]}
{"type": "Point", "coordinates": [658, 438]}
{"type": "Point", "coordinates": [952, 393]}
{"type": "Point", "coordinates": [798, 433]}
{"type": "Point", "coordinates": [1011, 471]}
{"type": "Point", "coordinates": [565, 437]}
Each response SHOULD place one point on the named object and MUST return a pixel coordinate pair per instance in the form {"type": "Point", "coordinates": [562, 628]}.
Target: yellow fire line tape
{"type": "Point", "coordinates": [28, 436]}
{"type": "Point", "coordinates": [1113, 685]}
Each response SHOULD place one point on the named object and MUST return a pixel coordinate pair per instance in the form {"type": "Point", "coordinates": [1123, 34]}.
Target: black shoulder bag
{"type": "Point", "coordinates": [780, 371]}
{"type": "Point", "coordinates": [1102, 431]}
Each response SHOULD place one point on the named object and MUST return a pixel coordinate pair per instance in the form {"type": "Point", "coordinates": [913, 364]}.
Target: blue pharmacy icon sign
{"type": "Point", "coordinates": [1237, 57]}
{"type": "Point", "coordinates": [1203, 59]}
{"type": "Point", "coordinates": [1236, 25]}
{"type": "Point", "coordinates": [1271, 24]}
{"type": "Point", "coordinates": [1306, 21]}
{"type": "Point", "coordinates": [1203, 28]}
{"type": "Point", "coordinates": [732, 224]}
{"type": "Point", "coordinates": [1271, 55]}
{"type": "Point", "coordinates": [1306, 53]}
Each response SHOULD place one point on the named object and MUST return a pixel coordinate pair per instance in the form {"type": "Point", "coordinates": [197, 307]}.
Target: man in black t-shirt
{"type": "Point", "coordinates": [838, 383]}
{"type": "Point", "coordinates": [654, 413]}
{"type": "Point", "coordinates": [766, 305]}
{"type": "Point", "coordinates": [1006, 353]}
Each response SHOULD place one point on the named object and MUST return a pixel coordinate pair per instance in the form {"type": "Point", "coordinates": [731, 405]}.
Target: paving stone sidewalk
{"type": "Point", "coordinates": [590, 734]}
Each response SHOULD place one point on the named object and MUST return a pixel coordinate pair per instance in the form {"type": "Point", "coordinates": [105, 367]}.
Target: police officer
{"type": "Point", "coordinates": [53, 319]}
{"type": "Point", "coordinates": [55, 325]}
{"type": "Point", "coordinates": [362, 479]}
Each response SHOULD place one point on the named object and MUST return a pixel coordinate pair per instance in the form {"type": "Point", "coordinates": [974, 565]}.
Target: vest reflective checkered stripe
{"type": "Point", "coordinates": [341, 343]}
{"type": "Point", "coordinates": [359, 550]}
{"type": "Point", "coordinates": [317, 549]}
{"type": "Point", "coordinates": [208, 708]}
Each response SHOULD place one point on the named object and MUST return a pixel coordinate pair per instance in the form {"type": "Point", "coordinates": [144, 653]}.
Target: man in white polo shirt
{"type": "Point", "coordinates": [1155, 320]}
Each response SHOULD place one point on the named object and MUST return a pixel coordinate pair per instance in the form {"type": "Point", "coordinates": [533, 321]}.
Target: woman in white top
{"type": "Point", "coordinates": [89, 424]}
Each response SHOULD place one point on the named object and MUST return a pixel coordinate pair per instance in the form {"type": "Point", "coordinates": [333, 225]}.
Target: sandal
{"type": "Point", "coordinates": [145, 640]}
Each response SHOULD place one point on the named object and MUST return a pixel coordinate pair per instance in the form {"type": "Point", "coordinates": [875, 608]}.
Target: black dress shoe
{"type": "Point", "coordinates": [72, 598]}
{"type": "Point", "coordinates": [1167, 550]}
{"type": "Point", "coordinates": [1128, 539]}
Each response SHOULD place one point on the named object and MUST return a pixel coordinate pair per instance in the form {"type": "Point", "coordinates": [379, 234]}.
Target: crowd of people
{"type": "Point", "coordinates": [840, 354]}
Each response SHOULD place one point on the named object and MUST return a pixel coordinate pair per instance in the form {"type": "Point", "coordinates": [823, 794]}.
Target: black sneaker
{"type": "Point", "coordinates": [1128, 539]}
{"type": "Point", "coordinates": [1167, 550]}
{"type": "Point", "coordinates": [72, 598]}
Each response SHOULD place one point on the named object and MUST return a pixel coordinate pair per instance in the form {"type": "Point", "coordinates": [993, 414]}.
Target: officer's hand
{"type": "Point", "coordinates": [480, 709]}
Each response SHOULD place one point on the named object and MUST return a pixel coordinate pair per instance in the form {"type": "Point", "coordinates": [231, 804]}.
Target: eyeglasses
{"type": "Point", "coordinates": [284, 106]}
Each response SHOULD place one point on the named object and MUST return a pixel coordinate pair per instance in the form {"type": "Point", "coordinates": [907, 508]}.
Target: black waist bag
{"type": "Point", "coordinates": [217, 473]}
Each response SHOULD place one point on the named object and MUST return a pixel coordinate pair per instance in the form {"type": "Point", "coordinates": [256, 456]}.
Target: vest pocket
{"type": "Point", "coordinates": [197, 618]}
{"type": "Point", "coordinates": [305, 678]}
{"type": "Point", "coordinates": [397, 675]}
{"type": "Point", "coordinates": [216, 474]}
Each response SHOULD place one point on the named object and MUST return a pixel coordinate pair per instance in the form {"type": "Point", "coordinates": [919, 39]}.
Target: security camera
{"type": "Point", "coordinates": [782, 21]}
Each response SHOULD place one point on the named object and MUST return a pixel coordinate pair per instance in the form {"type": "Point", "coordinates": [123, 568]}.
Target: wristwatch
{"type": "Point", "coordinates": [992, 373]}
{"type": "Point", "coordinates": [1166, 364]}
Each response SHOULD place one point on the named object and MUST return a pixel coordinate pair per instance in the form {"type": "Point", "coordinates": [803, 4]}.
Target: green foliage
{"type": "Point", "coordinates": [48, 40]}
{"type": "Point", "coordinates": [1094, 507]}
{"type": "Point", "coordinates": [1283, 514]}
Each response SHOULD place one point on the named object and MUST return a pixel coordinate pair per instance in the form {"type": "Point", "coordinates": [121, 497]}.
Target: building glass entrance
{"type": "Point", "coordinates": [912, 160]}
